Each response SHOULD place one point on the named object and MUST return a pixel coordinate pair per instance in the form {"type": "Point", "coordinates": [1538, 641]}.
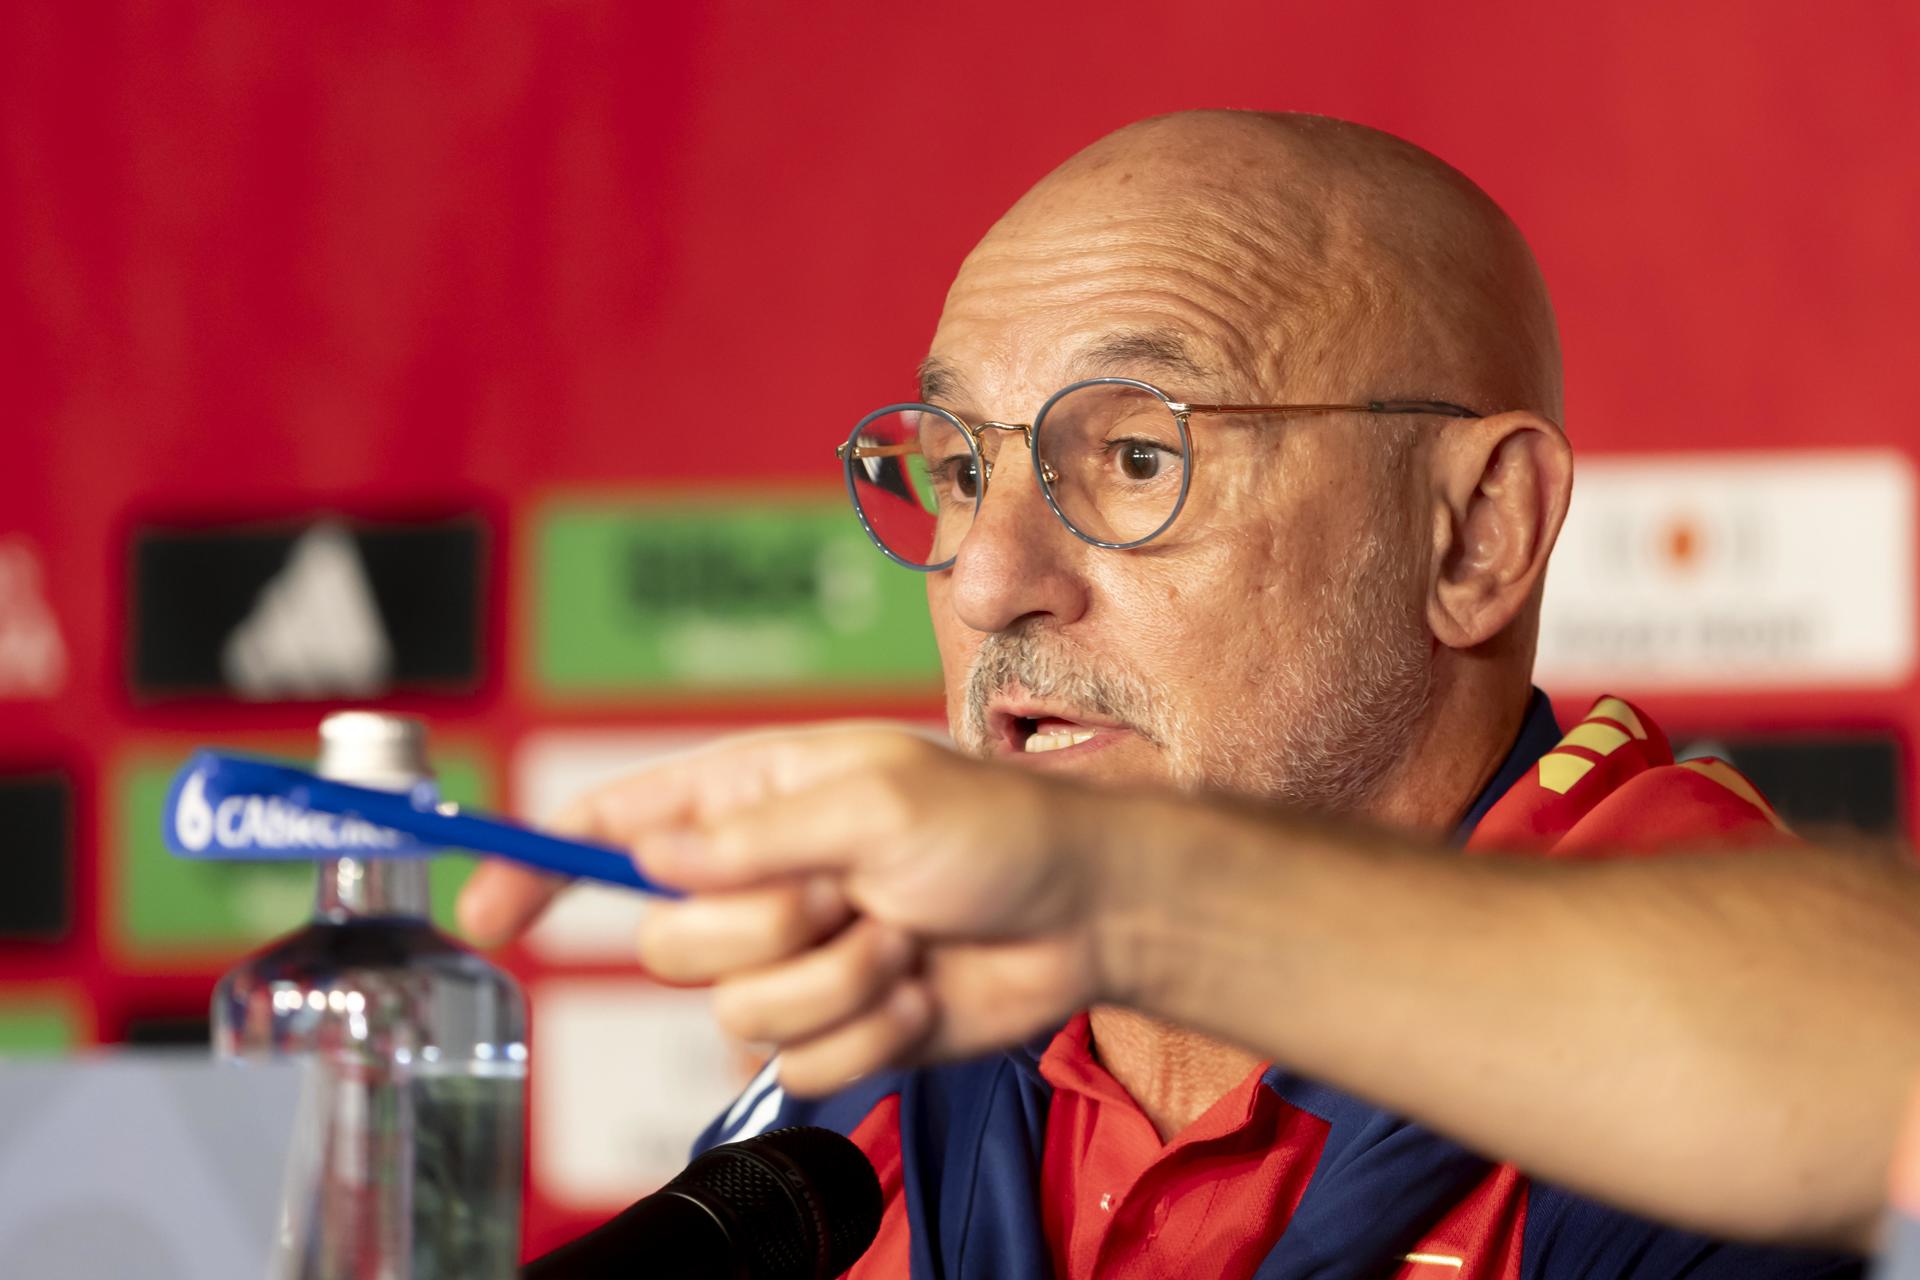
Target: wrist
{"type": "Point", "coordinates": [1132, 865]}
{"type": "Point", "coordinates": [1184, 895]}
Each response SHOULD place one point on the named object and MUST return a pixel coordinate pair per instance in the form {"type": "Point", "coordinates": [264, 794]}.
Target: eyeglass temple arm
{"type": "Point", "coordinates": [1439, 407]}
{"type": "Point", "coordinates": [876, 450]}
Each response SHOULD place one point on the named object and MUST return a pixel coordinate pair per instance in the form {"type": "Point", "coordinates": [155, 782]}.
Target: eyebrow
{"type": "Point", "coordinates": [939, 381]}
{"type": "Point", "coordinates": [1121, 352]}
{"type": "Point", "coordinates": [1133, 350]}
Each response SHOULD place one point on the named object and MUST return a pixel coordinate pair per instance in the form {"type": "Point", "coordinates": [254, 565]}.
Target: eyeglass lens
{"type": "Point", "coordinates": [1113, 460]}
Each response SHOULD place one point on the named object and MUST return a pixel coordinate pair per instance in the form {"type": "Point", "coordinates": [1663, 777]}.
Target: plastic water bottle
{"type": "Point", "coordinates": [412, 1167]}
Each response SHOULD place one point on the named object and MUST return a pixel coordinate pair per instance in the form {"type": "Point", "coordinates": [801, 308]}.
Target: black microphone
{"type": "Point", "coordinates": [795, 1204]}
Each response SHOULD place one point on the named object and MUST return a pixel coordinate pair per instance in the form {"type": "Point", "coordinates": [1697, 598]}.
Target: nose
{"type": "Point", "coordinates": [1017, 560]}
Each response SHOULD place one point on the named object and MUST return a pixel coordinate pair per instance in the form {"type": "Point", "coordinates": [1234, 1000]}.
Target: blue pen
{"type": "Point", "coordinates": [238, 807]}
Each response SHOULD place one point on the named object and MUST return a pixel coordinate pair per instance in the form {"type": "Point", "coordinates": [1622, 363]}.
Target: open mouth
{"type": "Point", "coordinates": [1037, 735]}
{"type": "Point", "coordinates": [1032, 731]}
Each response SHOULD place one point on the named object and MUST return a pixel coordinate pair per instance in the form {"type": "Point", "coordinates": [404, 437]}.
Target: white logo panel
{"type": "Point", "coordinates": [625, 1075]}
{"type": "Point", "coordinates": [33, 657]}
{"type": "Point", "coordinates": [589, 923]}
{"type": "Point", "coordinates": [1731, 571]}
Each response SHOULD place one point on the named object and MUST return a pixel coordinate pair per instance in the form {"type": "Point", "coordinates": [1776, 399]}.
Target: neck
{"type": "Point", "coordinates": [1471, 725]}
{"type": "Point", "coordinates": [1175, 1074]}
{"type": "Point", "coordinates": [354, 887]}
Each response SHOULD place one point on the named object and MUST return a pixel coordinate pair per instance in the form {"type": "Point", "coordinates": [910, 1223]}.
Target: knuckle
{"type": "Point", "coordinates": [878, 953]}
{"type": "Point", "coordinates": [886, 749]}
{"type": "Point", "coordinates": [577, 816]}
{"type": "Point", "coordinates": [888, 799]}
{"type": "Point", "coordinates": [821, 1065]}
{"type": "Point", "coordinates": [848, 979]}
{"type": "Point", "coordinates": [897, 746]}
{"type": "Point", "coordinates": [653, 957]}
{"type": "Point", "coordinates": [738, 1013]}
{"type": "Point", "coordinates": [788, 923]}
{"type": "Point", "coordinates": [805, 1072]}
{"type": "Point", "coordinates": [667, 950]}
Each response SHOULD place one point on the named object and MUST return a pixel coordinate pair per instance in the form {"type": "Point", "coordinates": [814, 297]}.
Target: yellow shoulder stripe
{"type": "Point", "coordinates": [1559, 770]}
{"type": "Point", "coordinates": [1596, 736]}
{"type": "Point", "coordinates": [1727, 776]}
{"type": "Point", "coordinates": [1616, 710]}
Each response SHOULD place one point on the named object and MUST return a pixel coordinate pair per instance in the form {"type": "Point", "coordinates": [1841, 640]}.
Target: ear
{"type": "Point", "coordinates": [1500, 492]}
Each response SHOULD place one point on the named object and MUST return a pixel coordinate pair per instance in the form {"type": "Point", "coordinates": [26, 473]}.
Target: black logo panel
{"type": "Point", "coordinates": [1821, 783]}
{"type": "Point", "coordinates": [36, 824]}
{"type": "Point", "coordinates": [169, 1031]}
{"type": "Point", "coordinates": [327, 608]}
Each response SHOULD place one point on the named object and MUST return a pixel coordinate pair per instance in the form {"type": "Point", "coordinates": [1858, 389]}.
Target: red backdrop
{"type": "Point", "coordinates": [257, 258]}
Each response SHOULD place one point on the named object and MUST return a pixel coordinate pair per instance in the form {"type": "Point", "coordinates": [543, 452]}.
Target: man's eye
{"type": "Point", "coordinates": [1138, 459]}
{"type": "Point", "coordinates": [960, 474]}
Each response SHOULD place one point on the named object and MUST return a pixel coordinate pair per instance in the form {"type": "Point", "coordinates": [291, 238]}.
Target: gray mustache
{"type": "Point", "coordinates": [1045, 668]}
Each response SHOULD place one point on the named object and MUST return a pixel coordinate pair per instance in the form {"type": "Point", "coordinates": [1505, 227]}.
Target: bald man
{"type": "Point", "coordinates": [1234, 473]}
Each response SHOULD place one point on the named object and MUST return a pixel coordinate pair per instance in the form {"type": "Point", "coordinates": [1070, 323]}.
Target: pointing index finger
{"type": "Point", "coordinates": [661, 808]}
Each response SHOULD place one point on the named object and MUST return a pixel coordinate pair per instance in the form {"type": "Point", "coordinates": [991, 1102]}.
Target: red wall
{"type": "Point", "coordinates": [390, 258]}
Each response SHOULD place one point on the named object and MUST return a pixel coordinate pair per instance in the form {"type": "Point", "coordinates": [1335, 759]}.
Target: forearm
{"type": "Point", "coordinates": [1728, 1046]}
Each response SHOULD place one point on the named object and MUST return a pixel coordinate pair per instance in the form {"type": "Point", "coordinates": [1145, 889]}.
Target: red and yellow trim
{"type": "Point", "coordinates": [1611, 785]}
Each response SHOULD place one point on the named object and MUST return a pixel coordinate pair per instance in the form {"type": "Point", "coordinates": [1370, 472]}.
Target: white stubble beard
{"type": "Point", "coordinates": [1324, 728]}
{"type": "Point", "coordinates": [1340, 712]}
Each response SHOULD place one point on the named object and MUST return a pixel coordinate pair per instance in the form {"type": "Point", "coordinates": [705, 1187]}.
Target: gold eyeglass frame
{"type": "Point", "coordinates": [849, 451]}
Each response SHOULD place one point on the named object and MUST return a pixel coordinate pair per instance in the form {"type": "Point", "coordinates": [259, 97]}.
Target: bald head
{"type": "Point", "coordinates": [1342, 610]}
{"type": "Point", "coordinates": [1324, 259]}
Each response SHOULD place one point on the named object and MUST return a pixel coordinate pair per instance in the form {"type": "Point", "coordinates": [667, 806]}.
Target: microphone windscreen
{"type": "Point", "coordinates": [811, 1177]}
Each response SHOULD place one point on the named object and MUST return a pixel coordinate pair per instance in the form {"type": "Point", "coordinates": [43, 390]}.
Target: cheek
{"type": "Point", "coordinates": [956, 642]}
{"type": "Point", "coordinates": [1177, 616]}
{"type": "Point", "coordinates": [1222, 620]}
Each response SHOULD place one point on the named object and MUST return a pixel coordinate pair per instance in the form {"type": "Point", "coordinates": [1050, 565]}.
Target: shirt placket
{"type": "Point", "coordinates": [1138, 1220]}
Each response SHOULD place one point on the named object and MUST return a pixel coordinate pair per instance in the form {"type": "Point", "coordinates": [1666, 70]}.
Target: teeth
{"type": "Point", "coordinates": [1055, 741]}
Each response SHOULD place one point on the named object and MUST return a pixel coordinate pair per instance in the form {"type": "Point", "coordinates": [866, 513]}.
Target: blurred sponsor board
{"type": "Point", "coordinates": [168, 1031]}
{"type": "Point", "coordinates": [589, 923]}
{"type": "Point", "coordinates": [36, 838]}
{"type": "Point", "coordinates": [325, 608]}
{"type": "Point", "coordinates": [164, 908]}
{"type": "Point", "coordinates": [1820, 783]}
{"type": "Point", "coordinates": [31, 1025]}
{"type": "Point", "coordinates": [1735, 570]}
{"type": "Point", "coordinates": [626, 1075]}
{"type": "Point", "coordinates": [33, 654]}
{"type": "Point", "coordinates": [749, 593]}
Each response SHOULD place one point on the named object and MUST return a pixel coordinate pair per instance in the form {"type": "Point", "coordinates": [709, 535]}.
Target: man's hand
{"type": "Point", "coordinates": [860, 896]}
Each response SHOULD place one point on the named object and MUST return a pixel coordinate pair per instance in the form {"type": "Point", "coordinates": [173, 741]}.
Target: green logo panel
{"type": "Point", "coordinates": [34, 1027]}
{"type": "Point", "coordinates": [168, 908]}
{"type": "Point", "coordinates": [747, 593]}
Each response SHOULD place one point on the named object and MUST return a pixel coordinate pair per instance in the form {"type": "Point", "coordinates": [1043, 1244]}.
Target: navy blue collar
{"type": "Point", "coordinates": [1539, 734]}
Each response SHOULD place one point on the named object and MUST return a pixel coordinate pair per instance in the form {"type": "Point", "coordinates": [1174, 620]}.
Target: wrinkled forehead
{"type": "Point", "coordinates": [958, 375]}
{"type": "Point", "coordinates": [1179, 299]}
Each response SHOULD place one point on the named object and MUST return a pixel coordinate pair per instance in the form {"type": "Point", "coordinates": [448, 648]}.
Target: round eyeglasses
{"type": "Point", "coordinates": [1112, 455]}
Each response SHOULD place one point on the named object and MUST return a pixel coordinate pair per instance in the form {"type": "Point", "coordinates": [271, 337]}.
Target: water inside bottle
{"type": "Point", "coordinates": [410, 1165]}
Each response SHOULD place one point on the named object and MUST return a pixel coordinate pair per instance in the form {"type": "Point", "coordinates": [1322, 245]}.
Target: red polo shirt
{"type": "Point", "coordinates": [1212, 1204]}
{"type": "Point", "coordinates": [1116, 1201]}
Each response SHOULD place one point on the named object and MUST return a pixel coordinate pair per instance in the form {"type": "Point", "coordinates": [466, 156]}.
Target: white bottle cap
{"type": "Point", "coordinates": [373, 750]}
